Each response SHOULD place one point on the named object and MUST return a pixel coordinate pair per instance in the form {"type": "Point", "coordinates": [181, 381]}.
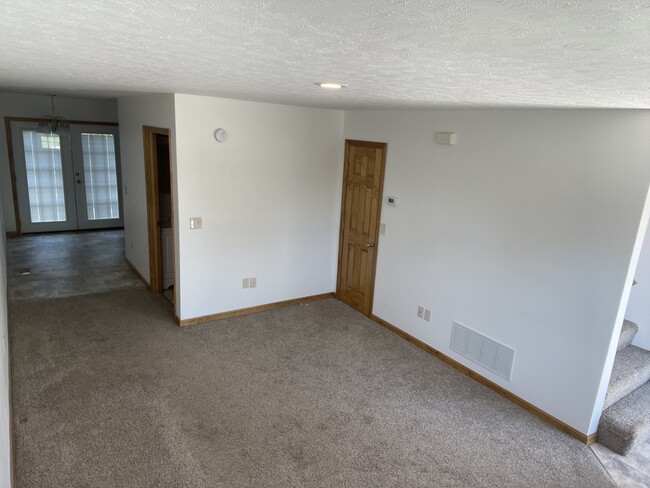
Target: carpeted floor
{"type": "Point", "coordinates": [108, 392]}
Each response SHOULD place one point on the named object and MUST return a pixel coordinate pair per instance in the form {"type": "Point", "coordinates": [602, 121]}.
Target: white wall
{"type": "Point", "coordinates": [134, 113]}
{"type": "Point", "coordinates": [21, 105]}
{"type": "Point", "coordinates": [5, 418]}
{"type": "Point", "coordinates": [638, 307]}
{"type": "Point", "coordinates": [269, 198]}
{"type": "Point", "coordinates": [523, 231]}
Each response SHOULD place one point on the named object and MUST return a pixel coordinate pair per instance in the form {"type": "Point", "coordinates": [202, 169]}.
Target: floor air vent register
{"type": "Point", "coordinates": [489, 353]}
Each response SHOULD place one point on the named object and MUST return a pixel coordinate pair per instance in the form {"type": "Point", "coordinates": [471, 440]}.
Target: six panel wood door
{"type": "Point", "coordinates": [361, 205]}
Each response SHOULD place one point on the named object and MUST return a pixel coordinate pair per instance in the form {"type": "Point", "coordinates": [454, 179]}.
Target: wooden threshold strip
{"type": "Point", "coordinates": [587, 439]}
{"type": "Point", "coordinates": [246, 311]}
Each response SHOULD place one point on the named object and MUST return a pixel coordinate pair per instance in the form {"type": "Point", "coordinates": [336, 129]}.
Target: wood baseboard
{"type": "Point", "coordinates": [587, 439]}
{"type": "Point", "coordinates": [12, 234]}
{"type": "Point", "coordinates": [258, 308]}
{"type": "Point", "coordinates": [138, 274]}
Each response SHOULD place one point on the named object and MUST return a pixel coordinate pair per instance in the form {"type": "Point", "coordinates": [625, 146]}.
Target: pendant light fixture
{"type": "Point", "coordinates": [52, 123]}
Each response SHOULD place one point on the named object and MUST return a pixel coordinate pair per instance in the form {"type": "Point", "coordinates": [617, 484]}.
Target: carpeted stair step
{"type": "Point", "coordinates": [628, 332]}
{"type": "Point", "coordinates": [631, 370]}
{"type": "Point", "coordinates": [626, 425]}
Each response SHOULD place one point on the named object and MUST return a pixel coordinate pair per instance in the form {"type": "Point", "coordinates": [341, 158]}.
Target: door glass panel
{"type": "Point", "coordinates": [44, 176]}
{"type": "Point", "coordinates": [100, 174]}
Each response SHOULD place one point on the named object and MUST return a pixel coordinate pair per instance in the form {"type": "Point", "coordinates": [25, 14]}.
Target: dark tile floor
{"type": "Point", "coordinates": [67, 264]}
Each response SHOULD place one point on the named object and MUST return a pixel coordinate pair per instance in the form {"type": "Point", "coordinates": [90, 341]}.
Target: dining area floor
{"type": "Point", "coordinates": [67, 264]}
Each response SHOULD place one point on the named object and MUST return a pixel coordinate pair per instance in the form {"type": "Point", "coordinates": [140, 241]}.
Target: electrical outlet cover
{"type": "Point", "coordinates": [420, 311]}
{"type": "Point", "coordinates": [253, 282]}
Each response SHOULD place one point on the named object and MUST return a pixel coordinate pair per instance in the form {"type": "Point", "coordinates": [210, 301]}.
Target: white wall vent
{"type": "Point", "coordinates": [481, 349]}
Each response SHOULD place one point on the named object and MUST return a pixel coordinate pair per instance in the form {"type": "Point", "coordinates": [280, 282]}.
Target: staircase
{"type": "Point", "coordinates": [625, 422]}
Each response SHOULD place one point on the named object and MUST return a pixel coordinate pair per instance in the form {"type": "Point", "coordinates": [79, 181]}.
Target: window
{"type": "Point", "coordinates": [44, 177]}
{"type": "Point", "coordinates": [100, 176]}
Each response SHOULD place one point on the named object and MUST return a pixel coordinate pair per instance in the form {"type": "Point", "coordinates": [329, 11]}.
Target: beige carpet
{"type": "Point", "coordinates": [108, 392]}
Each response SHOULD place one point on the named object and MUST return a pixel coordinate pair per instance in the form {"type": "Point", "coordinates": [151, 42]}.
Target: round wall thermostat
{"type": "Point", "coordinates": [221, 135]}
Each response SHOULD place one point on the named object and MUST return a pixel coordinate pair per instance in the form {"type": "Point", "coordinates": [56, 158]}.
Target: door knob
{"type": "Point", "coordinates": [370, 245]}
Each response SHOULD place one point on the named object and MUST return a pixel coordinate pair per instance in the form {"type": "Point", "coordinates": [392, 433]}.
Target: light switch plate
{"type": "Point", "coordinates": [196, 223]}
{"type": "Point", "coordinates": [382, 229]}
{"type": "Point", "coordinates": [245, 283]}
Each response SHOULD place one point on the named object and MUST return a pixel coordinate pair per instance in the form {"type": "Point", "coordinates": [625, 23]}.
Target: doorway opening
{"type": "Point", "coordinates": [160, 215]}
{"type": "Point", "coordinates": [69, 237]}
{"type": "Point", "coordinates": [363, 182]}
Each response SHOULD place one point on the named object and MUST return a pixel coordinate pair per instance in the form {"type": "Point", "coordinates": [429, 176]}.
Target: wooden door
{"type": "Point", "coordinates": [360, 211]}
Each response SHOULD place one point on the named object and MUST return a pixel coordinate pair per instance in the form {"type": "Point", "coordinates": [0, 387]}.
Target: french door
{"type": "Point", "coordinates": [68, 180]}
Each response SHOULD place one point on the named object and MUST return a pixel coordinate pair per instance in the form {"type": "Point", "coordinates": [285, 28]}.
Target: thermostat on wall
{"type": "Point", "coordinates": [392, 201]}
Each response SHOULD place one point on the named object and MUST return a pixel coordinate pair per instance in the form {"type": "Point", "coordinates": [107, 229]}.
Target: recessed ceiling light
{"type": "Point", "coordinates": [331, 86]}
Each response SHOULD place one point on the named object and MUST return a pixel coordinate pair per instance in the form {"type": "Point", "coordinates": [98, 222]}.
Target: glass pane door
{"type": "Point", "coordinates": [44, 176]}
{"type": "Point", "coordinates": [100, 171]}
{"type": "Point", "coordinates": [44, 186]}
{"type": "Point", "coordinates": [97, 176]}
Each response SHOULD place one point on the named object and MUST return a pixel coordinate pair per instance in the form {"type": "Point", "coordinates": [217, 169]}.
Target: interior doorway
{"type": "Point", "coordinates": [363, 182]}
{"type": "Point", "coordinates": [160, 215]}
{"type": "Point", "coordinates": [68, 180]}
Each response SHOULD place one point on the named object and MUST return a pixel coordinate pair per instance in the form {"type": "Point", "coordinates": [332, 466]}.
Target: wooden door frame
{"type": "Point", "coordinates": [10, 151]}
{"type": "Point", "coordinates": [153, 207]}
{"type": "Point", "coordinates": [346, 165]}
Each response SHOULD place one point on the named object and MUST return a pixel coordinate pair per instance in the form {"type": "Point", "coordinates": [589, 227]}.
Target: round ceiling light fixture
{"type": "Point", "coordinates": [328, 85]}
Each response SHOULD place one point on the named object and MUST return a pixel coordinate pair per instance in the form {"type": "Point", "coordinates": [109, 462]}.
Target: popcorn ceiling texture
{"type": "Point", "coordinates": [391, 53]}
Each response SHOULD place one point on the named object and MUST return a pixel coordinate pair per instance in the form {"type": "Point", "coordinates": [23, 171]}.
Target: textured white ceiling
{"type": "Point", "coordinates": [407, 53]}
